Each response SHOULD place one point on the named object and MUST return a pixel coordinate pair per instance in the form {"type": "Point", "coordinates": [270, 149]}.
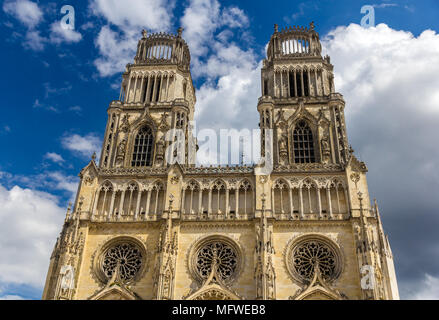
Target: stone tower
{"type": "Point", "coordinates": [142, 228]}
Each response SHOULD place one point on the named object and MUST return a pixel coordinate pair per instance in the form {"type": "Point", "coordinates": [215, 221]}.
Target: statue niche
{"type": "Point", "coordinates": [326, 150]}
{"type": "Point", "coordinates": [120, 155]}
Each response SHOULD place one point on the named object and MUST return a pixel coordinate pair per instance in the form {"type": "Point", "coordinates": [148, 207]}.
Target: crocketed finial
{"type": "Point", "coordinates": [179, 31]}
{"type": "Point", "coordinates": [276, 27]}
{"type": "Point", "coordinates": [93, 157]}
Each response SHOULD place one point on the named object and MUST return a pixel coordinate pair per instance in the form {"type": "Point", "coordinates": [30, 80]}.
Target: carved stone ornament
{"type": "Point", "coordinates": [163, 125]}
{"type": "Point", "coordinates": [88, 178]}
{"type": "Point", "coordinates": [175, 179]}
{"type": "Point", "coordinates": [121, 148]}
{"type": "Point", "coordinates": [326, 151]}
{"type": "Point", "coordinates": [355, 177]}
{"type": "Point", "coordinates": [125, 124]}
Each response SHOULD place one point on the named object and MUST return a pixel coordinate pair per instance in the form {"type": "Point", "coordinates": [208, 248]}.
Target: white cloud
{"type": "Point", "coordinates": [27, 12]}
{"type": "Point", "coordinates": [428, 289]}
{"type": "Point", "coordinates": [385, 5]}
{"type": "Point", "coordinates": [57, 158]}
{"type": "Point", "coordinates": [389, 80]}
{"type": "Point", "coordinates": [60, 34]}
{"type": "Point", "coordinates": [200, 20]}
{"type": "Point", "coordinates": [49, 180]}
{"type": "Point", "coordinates": [34, 41]}
{"type": "Point", "coordinates": [135, 14]}
{"type": "Point", "coordinates": [117, 41]}
{"type": "Point", "coordinates": [11, 297]}
{"type": "Point", "coordinates": [228, 97]}
{"type": "Point", "coordinates": [30, 221]}
{"type": "Point", "coordinates": [115, 49]}
{"type": "Point", "coordinates": [83, 146]}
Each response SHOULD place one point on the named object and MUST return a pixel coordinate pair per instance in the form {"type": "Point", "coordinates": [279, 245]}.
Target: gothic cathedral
{"type": "Point", "coordinates": [141, 228]}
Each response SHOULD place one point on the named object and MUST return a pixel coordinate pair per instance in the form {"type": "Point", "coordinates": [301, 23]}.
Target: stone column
{"type": "Point", "coordinates": [154, 90]}
{"type": "Point", "coordinates": [301, 83]}
{"type": "Point", "coordinates": [328, 193]}
{"type": "Point", "coordinates": [319, 201]}
{"type": "Point", "coordinates": [227, 202]}
{"type": "Point", "coordinates": [113, 196]}
{"type": "Point", "coordinates": [281, 84]}
{"type": "Point", "coordinates": [148, 202]}
{"type": "Point", "coordinates": [200, 201]}
{"type": "Point", "coordinates": [236, 202]}
{"type": "Point", "coordinates": [183, 200]}
{"type": "Point", "coordinates": [346, 200]}
{"type": "Point", "coordinates": [295, 84]}
{"type": "Point", "coordinates": [148, 88]}
{"type": "Point", "coordinates": [135, 88]}
{"type": "Point", "coordinates": [139, 196]}
{"type": "Point", "coordinates": [141, 88]}
{"type": "Point", "coordinates": [127, 93]}
{"type": "Point", "coordinates": [122, 200]}
{"type": "Point", "coordinates": [301, 201]}
{"type": "Point", "coordinates": [291, 201]}
{"type": "Point", "coordinates": [209, 209]}
{"type": "Point", "coordinates": [95, 206]}
{"type": "Point", "coordinates": [190, 203]}
{"type": "Point", "coordinates": [161, 88]}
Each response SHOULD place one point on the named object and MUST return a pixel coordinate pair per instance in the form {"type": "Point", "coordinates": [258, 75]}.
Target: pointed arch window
{"type": "Point", "coordinates": [143, 148]}
{"type": "Point", "coordinates": [303, 143]}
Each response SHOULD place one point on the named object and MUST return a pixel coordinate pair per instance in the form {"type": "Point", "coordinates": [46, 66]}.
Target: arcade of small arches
{"type": "Point", "coordinates": [323, 198]}
{"type": "Point", "coordinates": [304, 198]}
{"type": "Point", "coordinates": [218, 199]}
{"type": "Point", "coordinates": [131, 200]}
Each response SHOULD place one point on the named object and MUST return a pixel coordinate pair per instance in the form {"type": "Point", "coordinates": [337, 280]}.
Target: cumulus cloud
{"type": "Point", "coordinates": [11, 297]}
{"type": "Point", "coordinates": [30, 15]}
{"type": "Point", "coordinates": [57, 158]}
{"type": "Point", "coordinates": [83, 146]}
{"type": "Point", "coordinates": [34, 41]}
{"type": "Point", "coordinates": [30, 221]}
{"type": "Point", "coordinates": [427, 289]}
{"type": "Point", "coordinates": [116, 50]}
{"type": "Point", "coordinates": [389, 81]}
{"type": "Point", "coordinates": [129, 14]}
{"type": "Point", "coordinates": [231, 71]}
{"type": "Point", "coordinates": [60, 34]}
{"type": "Point", "coordinates": [117, 39]}
{"type": "Point", "coordinates": [27, 12]}
{"type": "Point", "coordinates": [48, 180]}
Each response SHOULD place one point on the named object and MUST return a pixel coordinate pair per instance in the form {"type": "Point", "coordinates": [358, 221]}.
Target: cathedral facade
{"type": "Point", "coordinates": [141, 228]}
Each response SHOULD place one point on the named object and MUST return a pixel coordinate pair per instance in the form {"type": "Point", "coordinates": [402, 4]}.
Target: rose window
{"type": "Point", "coordinates": [307, 255]}
{"type": "Point", "coordinates": [222, 254]}
{"type": "Point", "coordinates": [129, 258]}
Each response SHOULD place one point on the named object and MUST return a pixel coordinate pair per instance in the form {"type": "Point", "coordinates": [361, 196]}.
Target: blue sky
{"type": "Point", "coordinates": [58, 84]}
